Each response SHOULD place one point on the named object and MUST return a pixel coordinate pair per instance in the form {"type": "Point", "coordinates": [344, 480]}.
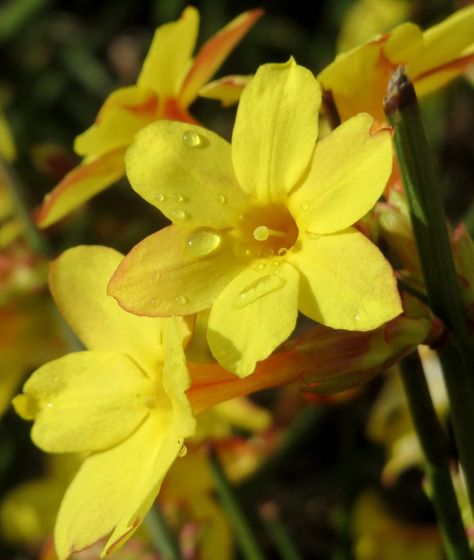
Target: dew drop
{"type": "Point", "coordinates": [209, 301]}
{"type": "Point", "coordinates": [259, 266]}
{"type": "Point", "coordinates": [155, 275]}
{"type": "Point", "coordinates": [357, 317]}
{"type": "Point", "coordinates": [183, 451]}
{"type": "Point", "coordinates": [257, 289]}
{"type": "Point", "coordinates": [203, 242]}
{"type": "Point", "coordinates": [49, 405]}
{"type": "Point", "coordinates": [179, 215]}
{"type": "Point", "coordinates": [180, 197]}
{"type": "Point", "coordinates": [304, 206]}
{"type": "Point", "coordinates": [282, 251]}
{"type": "Point", "coordinates": [221, 198]}
{"type": "Point", "coordinates": [181, 300]}
{"type": "Point", "coordinates": [192, 139]}
{"type": "Point", "coordinates": [160, 197]}
{"type": "Point", "coordinates": [155, 301]}
{"type": "Point", "coordinates": [312, 235]}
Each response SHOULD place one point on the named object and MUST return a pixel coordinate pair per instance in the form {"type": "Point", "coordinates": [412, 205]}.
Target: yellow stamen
{"type": "Point", "coordinates": [262, 233]}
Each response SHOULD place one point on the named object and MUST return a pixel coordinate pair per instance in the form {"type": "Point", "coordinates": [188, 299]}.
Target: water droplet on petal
{"type": "Point", "coordinates": [180, 197]}
{"type": "Point", "coordinates": [259, 266]}
{"type": "Point", "coordinates": [181, 300]}
{"type": "Point", "coordinates": [209, 301]}
{"type": "Point", "coordinates": [49, 405]}
{"type": "Point", "coordinates": [203, 242]}
{"type": "Point", "coordinates": [282, 252]}
{"type": "Point", "coordinates": [182, 452]}
{"type": "Point", "coordinates": [257, 289]}
{"type": "Point", "coordinates": [312, 235]}
{"type": "Point", "coordinates": [155, 301]}
{"type": "Point", "coordinates": [192, 139]}
{"type": "Point", "coordinates": [221, 198]}
{"type": "Point", "coordinates": [179, 215]}
{"type": "Point", "coordinates": [160, 197]}
{"type": "Point", "coordinates": [304, 206]}
{"type": "Point", "coordinates": [155, 275]}
{"type": "Point", "coordinates": [357, 317]}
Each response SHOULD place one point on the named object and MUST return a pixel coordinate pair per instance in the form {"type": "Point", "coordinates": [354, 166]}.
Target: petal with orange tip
{"type": "Point", "coordinates": [81, 184]}
{"type": "Point", "coordinates": [227, 90]}
{"type": "Point", "coordinates": [214, 51]}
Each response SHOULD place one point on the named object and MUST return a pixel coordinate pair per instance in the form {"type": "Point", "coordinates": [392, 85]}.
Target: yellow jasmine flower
{"type": "Point", "coordinates": [122, 401]}
{"type": "Point", "coordinates": [261, 228]}
{"type": "Point", "coordinates": [358, 78]}
{"type": "Point", "coordinates": [168, 83]}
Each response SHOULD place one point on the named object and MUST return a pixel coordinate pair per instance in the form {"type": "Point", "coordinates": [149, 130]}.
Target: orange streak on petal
{"type": "Point", "coordinates": [172, 110]}
{"type": "Point", "coordinates": [213, 53]}
{"type": "Point", "coordinates": [79, 185]}
{"type": "Point", "coordinates": [457, 64]}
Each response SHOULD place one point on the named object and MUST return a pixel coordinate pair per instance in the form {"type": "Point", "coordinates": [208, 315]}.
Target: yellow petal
{"type": "Point", "coordinates": [78, 282]}
{"type": "Point", "coordinates": [161, 276]}
{"type": "Point", "coordinates": [348, 174]}
{"type": "Point", "coordinates": [213, 53]}
{"type": "Point", "coordinates": [227, 90]}
{"type": "Point", "coordinates": [275, 130]}
{"type": "Point", "coordinates": [7, 147]}
{"type": "Point", "coordinates": [85, 401]}
{"type": "Point", "coordinates": [402, 43]}
{"type": "Point", "coordinates": [444, 42]}
{"type": "Point", "coordinates": [170, 54]}
{"type": "Point", "coordinates": [254, 314]}
{"type": "Point", "coordinates": [176, 379]}
{"type": "Point", "coordinates": [186, 172]}
{"type": "Point", "coordinates": [346, 283]}
{"type": "Point", "coordinates": [114, 131]}
{"type": "Point", "coordinates": [114, 488]}
{"type": "Point", "coordinates": [10, 380]}
{"type": "Point", "coordinates": [79, 185]}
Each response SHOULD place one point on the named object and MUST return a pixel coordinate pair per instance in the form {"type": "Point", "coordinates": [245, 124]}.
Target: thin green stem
{"type": "Point", "coordinates": [243, 533]}
{"type": "Point", "coordinates": [163, 539]}
{"type": "Point", "coordinates": [436, 458]}
{"type": "Point", "coordinates": [34, 237]}
{"type": "Point", "coordinates": [429, 226]}
{"type": "Point", "coordinates": [277, 532]}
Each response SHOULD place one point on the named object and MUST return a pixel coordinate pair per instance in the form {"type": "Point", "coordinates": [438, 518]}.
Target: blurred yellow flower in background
{"type": "Point", "coordinates": [358, 78]}
{"type": "Point", "coordinates": [168, 83]}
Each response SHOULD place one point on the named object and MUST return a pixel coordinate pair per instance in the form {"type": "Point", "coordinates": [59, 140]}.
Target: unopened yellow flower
{"type": "Point", "coordinates": [261, 228]}
{"type": "Point", "coordinates": [358, 78]}
{"type": "Point", "coordinates": [122, 401]}
{"type": "Point", "coordinates": [169, 82]}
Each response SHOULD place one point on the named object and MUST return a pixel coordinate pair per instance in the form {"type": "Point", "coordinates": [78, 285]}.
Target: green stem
{"type": "Point", "coordinates": [435, 451]}
{"type": "Point", "coordinates": [161, 536]}
{"type": "Point", "coordinates": [35, 239]}
{"type": "Point", "coordinates": [278, 533]}
{"type": "Point", "coordinates": [429, 226]}
{"type": "Point", "coordinates": [245, 538]}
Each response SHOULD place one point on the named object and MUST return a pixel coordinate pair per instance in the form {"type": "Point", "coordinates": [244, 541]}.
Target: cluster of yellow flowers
{"type": "Point", "coordinates": [261, 228]}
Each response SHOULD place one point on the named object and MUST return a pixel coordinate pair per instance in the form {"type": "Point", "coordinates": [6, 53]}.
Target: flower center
{"type": "Point", "coordinates": [265, 232]}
